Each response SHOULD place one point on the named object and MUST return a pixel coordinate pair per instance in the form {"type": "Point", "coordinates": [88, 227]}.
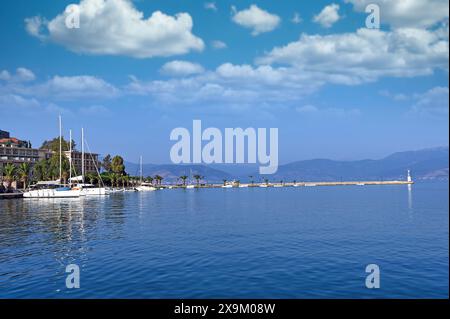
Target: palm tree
{"type": "Point", "coordinates": [251, 179]}
{"type": "Point", "coordinates": [114, 179]}
{"type": "Point", "coordinates": [41, 170]}
{"type": "Point", "coordinates": [9, 171]}
{"type": "Point", "coordinates": [158, 179]}
{"type": "Point", "coordinates": [92, 178]}
{"type": "Point", "coordinates": [198, 178]}
{"type": "Point", "coordinates": [224, 182]}
{"type": "Point", "coordinates": [184, 178]}
{"type": "Point", "coordinates": [266, 180]}
{"type": "Point", "coordinates": [149, 179]}
{"type": "Point", "coordinates": [23, 172]}
{"type": "Point", "coordinates": [126, 180]}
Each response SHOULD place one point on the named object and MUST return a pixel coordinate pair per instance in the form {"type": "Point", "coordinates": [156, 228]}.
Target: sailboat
{"type": "Point", "coordinates": [53, 189]}
{"type": "Point", "coordinates": [144, 186]}
{"type": "Point", "coordinates": [85, 188]}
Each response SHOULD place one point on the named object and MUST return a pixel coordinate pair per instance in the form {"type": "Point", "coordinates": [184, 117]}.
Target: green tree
{"type": "Point", "coordinates": [198, 177]}
{"type": "Point", "coordinates": [9, 173]}
{"type": "Point", "coordinates": [158, 179]}
{"type": "Point", "coordinates": [23, 172]}
{"type": "Point", "coordinates": [92, 178]}
{"type": "Point", "coordinates": [106, 163]}
{"type": "Point", "coordinates": [41, 170]}
{"type": "Point", "coordinates": [184, 178]}
{"type": "Point", "coordinates": [117, 165]}
{"type": "Point", "coordinates": [53, 167]}
{"type": "Point", "coordinates": [53, 145]}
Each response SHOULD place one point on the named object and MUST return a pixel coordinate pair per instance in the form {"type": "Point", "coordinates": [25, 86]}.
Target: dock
{"type": "Point", "coordinates": [10, 195]}
{"type": "Point", "coordinates": [298, 184]}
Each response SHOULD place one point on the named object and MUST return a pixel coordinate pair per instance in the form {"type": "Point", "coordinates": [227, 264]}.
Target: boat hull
{"type": "Point", "coordinates": [52, 193]}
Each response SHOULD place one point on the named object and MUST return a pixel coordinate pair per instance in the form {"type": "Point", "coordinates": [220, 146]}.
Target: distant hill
{"type": "Point", "coordinates": [426, 164]}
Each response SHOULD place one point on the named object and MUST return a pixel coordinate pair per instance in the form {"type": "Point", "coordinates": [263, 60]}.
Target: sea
{"type": "Point", "coordinates": [292, 242]}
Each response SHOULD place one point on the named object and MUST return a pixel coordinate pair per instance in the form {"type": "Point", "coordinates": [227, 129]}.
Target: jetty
{"type": "Point", "coordinates": [11, 195]}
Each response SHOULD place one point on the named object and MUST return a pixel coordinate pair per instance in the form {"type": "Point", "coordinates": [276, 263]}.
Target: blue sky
{"type": "Point", "coordinates": [135, 70]}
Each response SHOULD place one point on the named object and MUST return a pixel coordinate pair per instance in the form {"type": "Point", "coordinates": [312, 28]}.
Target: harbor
{"type": "Point", "coordinates": [15, 195]}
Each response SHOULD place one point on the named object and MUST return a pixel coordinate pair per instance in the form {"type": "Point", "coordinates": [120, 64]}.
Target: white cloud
{"type": "Point", "coordinates": [257, 19]}
{"type": "Point", "coordinates": [434, 102]}
{"type": "Point", "coordinates": [407, 13]}
{"type": "Point", "coordinates": [72, 88]}
{"type": "Point", "coordinates": [210, 6]}
{"type": "Point", "coordinates": [364, 56]}
{"type": "Point", "coordinates": [296, 19]}
{"type": "Point", "coordinates": [398, 97]}
{"type": "Point", "coordinates": [21, 75]}
{"type": "Point", "coordinates": [7, 101]}
{"type": "Point", "coordinates": [229, 85]}
{"type": "Point", "coordinates": [115, 27]}
{"type": "Point", "coordinates": [181, 68]}
{"type": "Point", "coordinates": [328, 16]}
{"type": "Point", "coordinates": [217, 44]}
{"type": "Point", "coordinates": [329, 112]}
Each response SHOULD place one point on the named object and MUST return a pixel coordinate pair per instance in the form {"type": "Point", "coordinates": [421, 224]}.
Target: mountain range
{"type": "Point", "coordinates": [425, 164]}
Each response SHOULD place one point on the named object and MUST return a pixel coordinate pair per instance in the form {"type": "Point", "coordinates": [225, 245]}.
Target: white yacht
{"type": "Point", "coordinates": [51, 190]}
{"type": "Point", "coordinates": [79, 181]}
{"type": "Point", "coordinates": [145, 187]}
{"type": "Point", "coordinates": [91, 190]}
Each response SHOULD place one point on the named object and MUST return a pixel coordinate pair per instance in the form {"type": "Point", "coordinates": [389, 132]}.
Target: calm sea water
{"type": "Point", "coordinates": [261, 243]}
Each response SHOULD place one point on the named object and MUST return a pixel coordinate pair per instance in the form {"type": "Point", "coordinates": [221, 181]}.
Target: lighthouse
{"type": "Point", "coordinates": [409, 179]}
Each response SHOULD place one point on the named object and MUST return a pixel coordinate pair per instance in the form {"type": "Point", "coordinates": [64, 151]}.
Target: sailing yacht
{"type": "Point", "coordinates": [53, 189]}
{"type": "Point", "coordinates": [144, 187]}
{"type": "Point", "coordinates": [85, 188]}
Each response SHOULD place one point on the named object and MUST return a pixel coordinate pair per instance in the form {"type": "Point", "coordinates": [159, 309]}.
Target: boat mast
{"type": "Point", "coordinates": [70, 155]}
{"type": "Point", "coordinates": [60, 150]}
{"type": "Point", "coordinates": [140, 167]}
{"type": "Point", "coordinates": [82, 155]}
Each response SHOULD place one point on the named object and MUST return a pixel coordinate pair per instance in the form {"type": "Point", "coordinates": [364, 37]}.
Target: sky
{"type": "Point", "coordinates": [135, 70]}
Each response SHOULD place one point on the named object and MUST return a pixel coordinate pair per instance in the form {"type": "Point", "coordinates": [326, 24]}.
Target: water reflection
{"type": "Point", "coordinates": [410, 200]}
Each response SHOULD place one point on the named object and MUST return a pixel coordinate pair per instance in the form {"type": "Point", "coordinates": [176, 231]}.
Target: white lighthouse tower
{"type": "Point", "coordinates": [409, 179]}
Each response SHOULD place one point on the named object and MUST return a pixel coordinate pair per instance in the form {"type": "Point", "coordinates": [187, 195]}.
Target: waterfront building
{"type": "Point", "coordinates": [91, 162]}
{"type": "Point", "coordinates": [16, 151]}
{"type": "Point", "coordinates": [4, 134]}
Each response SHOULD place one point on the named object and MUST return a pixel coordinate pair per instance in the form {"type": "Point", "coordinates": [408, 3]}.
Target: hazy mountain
{"type": "Point", "coordinates": [424, 164]}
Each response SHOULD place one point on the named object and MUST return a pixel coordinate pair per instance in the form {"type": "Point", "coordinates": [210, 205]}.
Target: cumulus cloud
{"type": "Point", "coordinates": [181, 68]}
{"type": "Point", "coordinates": [229, 84]}
{"type": "Point", "coordinates": [17, 101]}
{"type": "Point", "coordinates": [21, 75]}
{"type": "Point", "coordinates": [116, 27]}
{"type": "Point", "coordinates": [67, 88]}
{"type": "Point", "coordinates": [407, 13]}
{"type": "Point", "coordinates": [257, 19]}
{"type": "Point", "coordinates": [364, 56]}
{"type": "Point", "coordinates": [328, 16]}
